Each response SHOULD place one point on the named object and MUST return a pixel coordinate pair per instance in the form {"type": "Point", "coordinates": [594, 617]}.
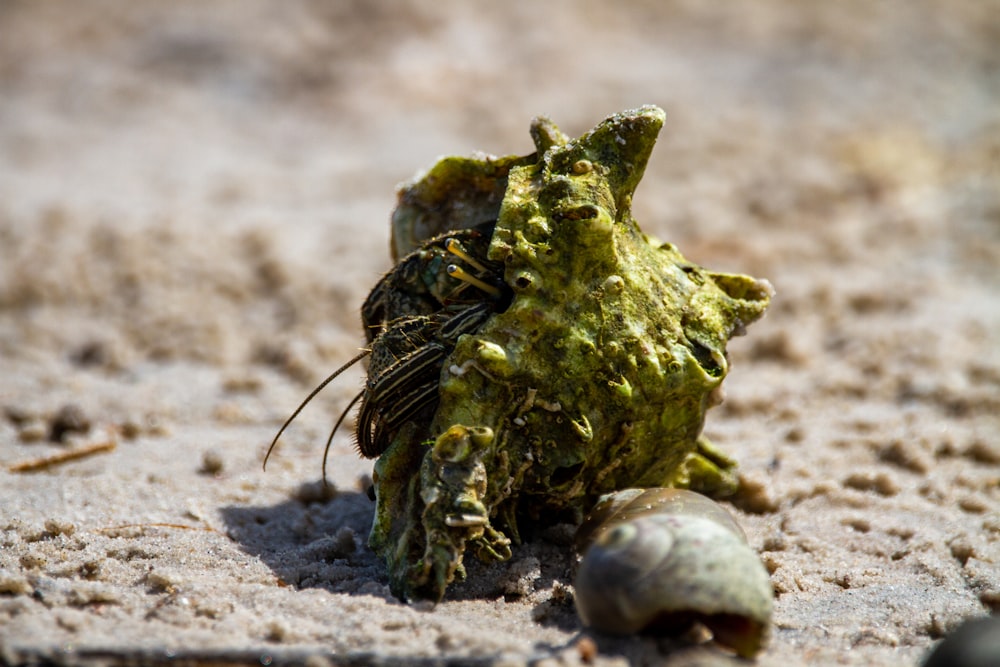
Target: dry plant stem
{"type": "Point", "coordinates": [42, 463]}
{"type": "Point", "coordinates": [179, 526]}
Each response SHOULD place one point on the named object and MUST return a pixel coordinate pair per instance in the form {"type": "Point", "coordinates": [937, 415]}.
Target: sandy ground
{"type": "Point", "coordinates": [193, 204]}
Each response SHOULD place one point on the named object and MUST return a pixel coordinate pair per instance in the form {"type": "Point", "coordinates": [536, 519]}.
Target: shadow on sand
{"type": "Point", "coordinates": [315, 539]}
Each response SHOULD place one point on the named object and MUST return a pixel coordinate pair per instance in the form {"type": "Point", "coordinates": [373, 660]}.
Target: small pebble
{"type": "Point", "coordinates": [755, 495]}
{"type": "Point", "coordinates": [91, 353]}
{"type": "Point", "coordinates": [211, 463]}
{"type": "Point", "coordinates": [276, 631]}
{"type": "Point", "coordinates": [30, 561]}
{"type": "Point", "coordinates": [14, 583]}
{"type": "Point", "coordinates": [18, 416]}
{"type": "Point", "coordinates": [91, 569]}
{"type": "Point", "coordinates": [56, 527]}
{"type": "Point", "coordinates": [973, 504]}
{"type": "Point", "coordinates": [881, 483]}
{"type": "Point", "coordinates": [245, 384]}
{"type": "Point", "coordinates": [906, 455]}
{"type": "Point", "coordinates": [521, 577]}
{"type": "Point", "coordinates": [162, 581]}
{"type": "Point", "coordinates": [32, 431]}
{"type": "Point", "coordinates": [69, 419]}
{"type": "Point", "coordinates": [315, 492]}
{"type": "Point", "coordinates": [983, 452]}
{"type": "Point", "coordinates": [587, 648]}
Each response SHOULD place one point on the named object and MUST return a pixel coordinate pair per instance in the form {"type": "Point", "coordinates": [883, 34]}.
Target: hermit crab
{"type": "Point", "coordinates": [532, 350]}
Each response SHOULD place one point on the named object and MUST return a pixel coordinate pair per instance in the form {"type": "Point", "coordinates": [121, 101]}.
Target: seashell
{"type": "Point", "coordinates": [660, 560]}
{"type": "Point", "coordinates": [975, 643]}
{"type": "Point", "coordinates": [548, 348]}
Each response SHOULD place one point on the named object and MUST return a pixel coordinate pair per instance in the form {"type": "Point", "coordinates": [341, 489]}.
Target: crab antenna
{"type": "Point", "coordinates": [310, 397]}
{"type": "Point", "coordinates": [461, 274]}
{"type": "Point", "coordinates": [455, 248]}
{"type": "Point", "coordinates": [340, 420]}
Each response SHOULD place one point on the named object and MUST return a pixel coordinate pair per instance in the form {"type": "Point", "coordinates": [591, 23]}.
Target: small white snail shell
{"type": "Point", "coordinates": [658, 560]}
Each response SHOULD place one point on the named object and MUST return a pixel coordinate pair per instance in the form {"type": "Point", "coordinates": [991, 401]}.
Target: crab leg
{"type": "Point", "coordinates": [409, 383]}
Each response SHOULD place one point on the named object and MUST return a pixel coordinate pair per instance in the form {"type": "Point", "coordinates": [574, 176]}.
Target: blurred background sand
{"type": "Point", "coordinates": [194, 201]}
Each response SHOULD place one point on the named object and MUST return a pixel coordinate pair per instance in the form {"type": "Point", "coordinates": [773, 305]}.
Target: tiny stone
{"type": "Point", "coordinates": [562, 593]}
{"type": "Point", "coordinates": [12, 583]}
{"type": "Point", "coordinates": [973, 504]}
{"type": "Point", "coordinates": [905, 455]}
{"type": "Point", "coordinates": [541, 612]}
{"type": "Point", "coordinates": [587, 648]}
{"type": "Point", "coordinates": [211, 462]}
{"type": "Point", "coordinates": [961, 549]}
{"type": "Point", "coordinates": [246, 384]}
{"type": "Point", "coordinates": [771, 562]}
{"type": "Point", "coordinates": [991, 524]}
{"type": "Point", "coordinates": [91, 353]}
{"type": "Point", "coordinates": [333, 547]}
{"type": "Point", "coordinates": [87, 593]}
{"type": "Point", "coordinates": [795, 435]}
{"type": "Point", "coordinates": [19, 416]}
{"type": "Point", "coordinates": [210, 608]}
{"type": "Point", "coordinates": [881, 483]}
{"type": "Point", "coordinates": [755, 495]}
{"type": "Point", "coordinates": [156, 425]}
{"type": "Point", "coordinates": [982, 452]}
{"type": "Point", "coordinates": [31, 561]}
{"type": "Point", "coordinates": [344, 540]}
{"type": "Point", "coordinates": [315, 492]}
{"type": "Point", "coordinates": [318, 661]}
{"type": "Point", "coordinates": [130, 429]}
{"type": "Point", "coordinates": [521, 577]}
{"type": "Point", "coordinates": [32, 431]}
{"type": "Point", "coordinates": [775, 543]}
{"type": "Point", "coordinates": [69, 419]}
{"type": "Point", "coordinates": [91, 569]}
{"type": "Point", "coordinates": [991, 598]}
{"type": "Point", "coordinates": [277, 631]}
{"type": "Point", "coordinates": [781, 348]}
{"type": "Point", "coordinates": [55, 527]}
{"type": "Point", "coordinates": [229, 412]}
{"type": "Point", "coordinates": [162, 582]}
{"type": "Point", "coordinates": [860, 525]}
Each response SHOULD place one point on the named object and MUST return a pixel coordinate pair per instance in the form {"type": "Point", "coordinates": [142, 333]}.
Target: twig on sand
{"type": "Point", "coordinates": [41, 463]}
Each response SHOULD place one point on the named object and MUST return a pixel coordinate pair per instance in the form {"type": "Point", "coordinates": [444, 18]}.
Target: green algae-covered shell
{"type": "Point", "coordinates": [601, 369]}
{"type": "Point", "coordinates": [596, 376]}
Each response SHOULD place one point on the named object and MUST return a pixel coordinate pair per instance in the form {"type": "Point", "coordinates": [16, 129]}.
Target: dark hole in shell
{"type": "Point", "coordinates": [565, 474]}
{"type": "Point", "coordinates": [739, 633]}
{"type": "Point", "coordinates": [705, 359]}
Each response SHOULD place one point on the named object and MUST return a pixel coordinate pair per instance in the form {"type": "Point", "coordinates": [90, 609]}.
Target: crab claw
{"type": "Point", "coordinates": [453, 482]}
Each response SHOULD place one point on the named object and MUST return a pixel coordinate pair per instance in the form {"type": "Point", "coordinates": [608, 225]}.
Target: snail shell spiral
{"type": "Point", "coordinates": [659, 560]}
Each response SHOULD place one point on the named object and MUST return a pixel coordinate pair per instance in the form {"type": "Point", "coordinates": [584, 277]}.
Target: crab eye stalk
{"type": "Point", "coordinates": [456, 248]}
{"type": "Point", "coordinates": [459, 273]}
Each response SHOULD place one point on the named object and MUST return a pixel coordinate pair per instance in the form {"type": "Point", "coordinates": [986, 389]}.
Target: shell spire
{"type": "Point", "coordinates": [621, 144]}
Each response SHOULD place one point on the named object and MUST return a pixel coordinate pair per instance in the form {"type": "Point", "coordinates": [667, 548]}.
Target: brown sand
{"type": "Point", "coordinates": [194, 202]}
